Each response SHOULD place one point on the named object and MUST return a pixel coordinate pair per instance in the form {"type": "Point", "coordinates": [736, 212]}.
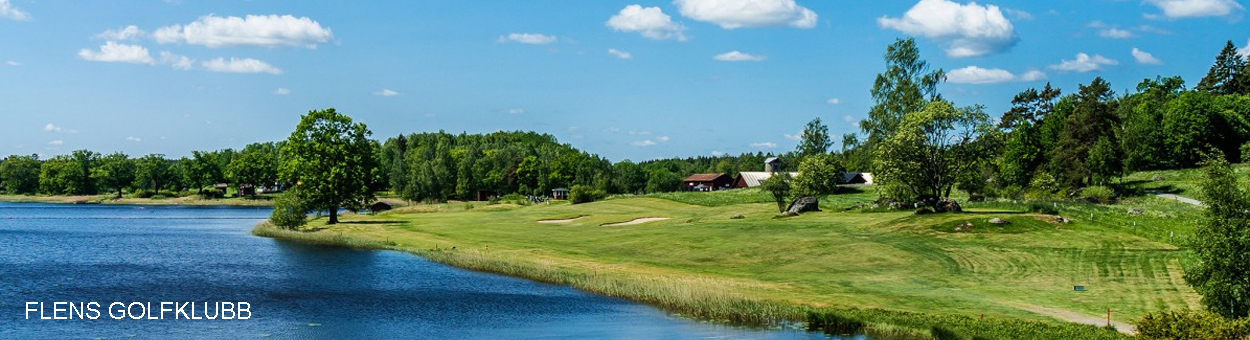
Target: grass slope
{"type": "Point", "coordinates": [704, 264]}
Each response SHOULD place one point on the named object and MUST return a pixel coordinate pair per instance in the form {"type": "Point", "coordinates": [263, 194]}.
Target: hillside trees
{"type": "Point", "coordinates": [932, 148]}
{"type": "Point", "coordinates": [153, 172]}
{"type": "Point", "coordinates": [1229, 73]}
{"type": "Point", "coordinates": [906, 86]}
{"type": "Point", "coordinates": [1092, 118]}
{"type": "Point", "coordinates": [115, 172]}
{"type": "Point", "coordinates": [20, 174]}
{"type": "Point", "coordinates": [815, 140]}
{"type": "Point", "coordinates": [1221, 241]}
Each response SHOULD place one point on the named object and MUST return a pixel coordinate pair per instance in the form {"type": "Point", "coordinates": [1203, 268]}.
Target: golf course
{"type": "Point", "coordinates": [726, 256]}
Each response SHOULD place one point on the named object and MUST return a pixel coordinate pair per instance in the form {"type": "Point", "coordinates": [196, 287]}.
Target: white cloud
{"type": "Point", "coordinates": [651, 22]}
{"type": "Point", "coordinates": [793, 137]}
{"type": "Point", "coordinates": [718, 153]}
{"type": "Point", "coordinates": [52, 128]}
{"type": "Point", "coordinates": [1085, 63]}
{"type": "Point", "coordinates": [978, 75]}
{"type": "Point", "coordinates": [650, 142]}
{"type": "Point", "coordinates": [252, 30]}
{"type": "Point", "coordinates": [738, 56]}
{"type": "Point", "coordinates": [1115, 33]}
{"type": "Point", "coordinates": [134, 139]}
{"type": "Point", "coordinates": [8, 11]}
{"type": "Point", "coordinates": [56, 142]}
{"type": "Point", "coordinates": [966, 30]}
{"type": "Point", "coordinates": [620, 54]}
{"type": "Point", "coordinates": [124, 33]}
{"type": "Point", "coordinates": [237, 65]}
{"type": "Point", "coordinates": [282, 91]}
{"type": "Point", "coordinates": [529, 38]}
{"type": "Point", "coordinates": [180, 62]}
{"type": "Point", "coordinates": [1180, 9]}
{"type": "Point", "coordinates": [662, 139]}
{"type": "Point", "coordinates": [1145, 58]}
{"type": "Point", "coordinates": [643, 143]}
{"type": "Point", "coordinates": [112, 52]}
{"type": "Point", "coordinates": [1018, 14]}
{"type": "Point", "coordinates": [386, 93]}
{"type": "Point", "coordinates": [731, 14]}
{"type": "Point", "coordinates": [639, 133]}
{"type": "Point", "coordinates": [12, 63]}
{"type": "Point", "coordinates": [833, 101]}
{"type": "Point", "coordinates": [764, 145]}
{"type": "Point", "coordinates": [515, 111]}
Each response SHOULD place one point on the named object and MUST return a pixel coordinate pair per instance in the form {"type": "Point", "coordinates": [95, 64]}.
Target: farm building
{"type": "Point", "coordinates": [751, 179]}
{"type": "Point", "coordinates": [707, 182]}
{"type": "Point", "coordinates": [856, 178]}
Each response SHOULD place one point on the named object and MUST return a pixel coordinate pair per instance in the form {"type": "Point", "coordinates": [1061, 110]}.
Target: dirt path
{"type": "Point", "coordinates": [636, 221]}
{"type": "Point", "coordinates": [1182, 199]}
{"type": "Point", "coordinates": [1123, 327]}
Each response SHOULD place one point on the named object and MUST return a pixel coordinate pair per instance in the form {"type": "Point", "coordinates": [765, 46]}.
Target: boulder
{"type": "Point", "coordinates": [966, 226]}
{"type": "Point", "coordinates": [804, 204]}
{"type": "Point", "coordinates": [1060, 219]}
{"type": "Point", "coordinates": [947, 205]}
{"type": "Point", "coordinates": [1136, 212]}
{"type": "Point", "coordinates": [737, 217]}
{"type": "Point", "coordinates": [999, 221]}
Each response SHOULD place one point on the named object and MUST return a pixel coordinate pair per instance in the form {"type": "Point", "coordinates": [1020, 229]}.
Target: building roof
{"type": "Point", "coordinates": [771, 159]}
{"type": "Point", "coordinates": [704, 177]}
{"type": "Point", "coordinates": [753, 178]}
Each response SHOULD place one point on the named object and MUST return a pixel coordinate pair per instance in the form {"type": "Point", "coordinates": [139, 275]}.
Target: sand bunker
{"type": "Point", "coordinates": [636, 221]}
{"type": "Point", "coordinates": [567, 220]}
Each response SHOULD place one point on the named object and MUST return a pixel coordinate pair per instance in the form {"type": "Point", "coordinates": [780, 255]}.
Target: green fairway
{"type": "Point", "coordinates": [836, 258]}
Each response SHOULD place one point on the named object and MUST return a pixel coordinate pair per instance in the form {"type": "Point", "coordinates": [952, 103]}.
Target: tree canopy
{"type": "Point", "coordinates": [331, 161]}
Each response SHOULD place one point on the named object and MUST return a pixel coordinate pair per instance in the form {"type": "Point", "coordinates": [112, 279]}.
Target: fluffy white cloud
{"type": "Point", "coordinates": [282, 91]}
{"type": "Point", "coordinates": [253, 30]}
{"type": "Point", "coordinates": [8, 11]}
{"type": "Point", "coordinates": [1084, 63]}
{"type": "Point", "coordinates": [833, 101]}
{"type": "Point", "coordinates": [662, 139]}
{"type": "Point", "coordinates": [643, 143]}
{"type": "Point", "coordinates": [56, 142]}
{"type": "Point", "coordinates": [966, 30]}
{"type": "Point", "coordinates": [1180, 9]}
{"type": "Point", "coordinates": [52, 128]}
{"type": "Point", "coordinates": [731, 14]}
{"type": "Point", "coordinates": [978, 75]}
{"type": "Point", "coordinates": [515, 111]}
{"type": "Point", "coordinates": [386, 93]}
{"type": "Point", "coordinates": [239, 65]}
{"type": "Point", "coordinates": [134, 139]}
{"type": "Point", "coordinates": [651, 22]}
{"type": "Point", "coordinates": [764, 145]}
{"type": "Point", "coordinates": [718, 153]}
{"type": "Point", "coordinates": [180, 62]}
{"type": "Point", "coordinates": [1244, 51]}
{"type": "Point", "coordinates": [13, 63]}
{"type": "Point", "coordinates": [124, 33]}
{"type": "Point", "coordinates": [1145, 58]}
{"type": "Point", "coordinates": [1115, 33]}
{"type": "Point", "coordinates": [112, 52]}
{"type": "Point", "coordinates": [793, 137]}
{"type": "Point", "coordinates": [620, 54]}
{"type": "Point", "coordinates": [529, 38]}
{"type": "Point", "coordinates": [738, 56]}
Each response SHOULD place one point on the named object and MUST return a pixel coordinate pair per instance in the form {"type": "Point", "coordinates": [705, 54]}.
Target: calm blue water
{"type": "Point", "coordinates": [106, 254]}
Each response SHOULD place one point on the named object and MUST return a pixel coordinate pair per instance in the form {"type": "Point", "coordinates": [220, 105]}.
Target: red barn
{"type": "Point", "coordinates": [707, 182]}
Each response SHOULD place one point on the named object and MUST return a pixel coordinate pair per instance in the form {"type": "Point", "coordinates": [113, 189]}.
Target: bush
{"type": "Point", "coordinates": [1043, 208]}
{"type": "Point", "coordinates": [1098, 194]}
{"type": "Point", "coordinates": [143, 194]}
{"type": "Point", "coordinates": [289, 211]}
{"type": "Point", "coordinates": [1245, 152]}
{"type": "Point", "coordinates": [585, 194]}
{"type": "Point", "coordinates": [1189, 324]}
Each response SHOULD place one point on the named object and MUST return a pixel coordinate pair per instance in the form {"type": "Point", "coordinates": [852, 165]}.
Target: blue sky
{"type": "Point", "coordinates": [623, 79]}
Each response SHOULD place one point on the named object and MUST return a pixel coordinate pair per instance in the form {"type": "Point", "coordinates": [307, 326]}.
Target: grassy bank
{"type": "Point", "coordinates": [892, 272]}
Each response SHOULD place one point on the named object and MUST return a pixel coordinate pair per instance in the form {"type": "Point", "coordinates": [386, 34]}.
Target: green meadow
{"type": "Point", "coordinates": [889, 272]}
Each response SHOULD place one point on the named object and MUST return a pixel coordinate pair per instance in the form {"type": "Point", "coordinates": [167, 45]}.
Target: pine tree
{"type": "Point", "coordinates": [1227, 72]}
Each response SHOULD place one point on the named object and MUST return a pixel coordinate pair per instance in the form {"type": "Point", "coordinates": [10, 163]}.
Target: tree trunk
{"type": "Point", "coordinates": [119, 192]}
{"type": "Point", "coordinates": [334, 215]}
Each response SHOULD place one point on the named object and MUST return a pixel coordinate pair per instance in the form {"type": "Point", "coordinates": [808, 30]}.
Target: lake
{"type": "Point", "coordinates": [153, 254]}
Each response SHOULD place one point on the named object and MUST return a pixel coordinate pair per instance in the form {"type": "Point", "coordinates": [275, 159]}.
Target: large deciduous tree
{"type": "Point", "coordinates": [905, 87]}
{"type": "Point", "coordinates": [20, 174]}
{"type": "Point", "coordinates": [932, 148]}
{"type": "Point", "coordinates": [116, 172]}
{"type": "Point", "coordinates": [153, 172]}
{"type": "Point", "coordinates": [1221, 241]}
{"type": "Point", "coordinates": [1093, 117]}
{"type": "Point", "coordinates": [819, 175]}
{"type": "Point", "coordinates": [815, 139]}
{"type": "Point", "coordinates": [331, 162]}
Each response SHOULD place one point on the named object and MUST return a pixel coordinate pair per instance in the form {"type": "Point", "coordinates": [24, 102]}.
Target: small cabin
{"type": "Point", "coordinates": [560, 194]}
{"type": "Point", "coordinates": [707, 182]}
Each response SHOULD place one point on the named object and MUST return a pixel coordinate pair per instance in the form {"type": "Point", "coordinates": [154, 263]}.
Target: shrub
{"type": "Point", "coordinates": [1245, 152]}
{"type": "Point", "coordinates": [143, 194]}
{"type": "Point", "coordinates": [1190, 324]}
{"type": "Point", "coordinates": [1098, 194]}
{"type": "Point", "coordinates": [289, 211]}
{"type": "Point", "coordinates": [1043, 208]}
{"type": "Point", "coordinates": [585, 194]}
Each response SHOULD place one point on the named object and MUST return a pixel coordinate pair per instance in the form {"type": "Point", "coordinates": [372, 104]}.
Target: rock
{"type": "Point", "coordinates": [737, 217]}
{"type": "Point", "coordinates": [1136, 212]}
{"type": "Point", "coordinates": [924, 211]}
{"type": "Point", "coordinates": [998, 221]}
{"type": "Point", "coordinates": [947, 205]}
{"type": "Point", "coordinates": [966, 226]}
{"type": "Point", "coordinates": [804, 204]}
{"type": "Point", "coordinates": [1060, 219]}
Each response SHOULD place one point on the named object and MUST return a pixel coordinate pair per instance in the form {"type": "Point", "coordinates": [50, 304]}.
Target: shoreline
{"type": "Point", "coordinates": [109, 200]}
{"type": "Point", "coordinates": [707, 298]}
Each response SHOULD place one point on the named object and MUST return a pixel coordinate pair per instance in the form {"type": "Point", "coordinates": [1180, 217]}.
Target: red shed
{"type": "Point", "coordinates": [707, 182]}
